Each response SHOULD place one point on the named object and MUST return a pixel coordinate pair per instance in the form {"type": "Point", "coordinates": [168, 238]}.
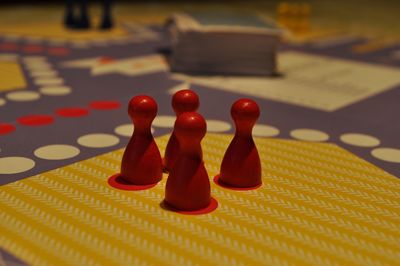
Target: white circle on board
{"type": "Point", "coordinates": [23, 96]}
{"type": "Point", "coordinates": [361, 140]}
{"type": "Point", "coordinates": [9, 57]}
{"type": "Point", "coordinates": [217, 126]}
{"type": "Point", "coordinates": [49, 81]}
{"type": "Point", "coordinates": [44, 73]}
{"type": "Point", "coordinates": [56, 152]}
{"type": "Point", "coordinates": [36, 58]}
{"type": "Point", "coordinates": [80, 44]}
{"type": "Point", "coordinates": [167, 121]}
{"type": "Point", "coordinates": [12, 37]}
{"type": "Point", "coordinates": [307, 134]}
{"type": "Point", "coordinates": [387, 154]}
{"type": "Point", "coordinates": [261, 130]}
{"type": "Point", "coordinates": [57, 42]}
{"type": "Point", "coordinates": [100, 43]}
{"type": "Point", "coordinates": [55, 90]}
{"type": "Point", "coordinates": [31, 64]}
{"type": "Point", "coordinates": [98, 140]}
{"type": "Point", "coordinates": [34, 39]}
{"type": "Point", "coordinates": [2, 102]}
{"type": "Point", "coordinates": [40, 67]}
{"type": "Point", "coordinates": [15, 165]}
{"type": "Point", "coordinates": [126, 130]}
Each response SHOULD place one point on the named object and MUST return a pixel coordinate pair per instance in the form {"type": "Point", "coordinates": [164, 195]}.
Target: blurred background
{"type": "Point", "coordinates": [377, 19]}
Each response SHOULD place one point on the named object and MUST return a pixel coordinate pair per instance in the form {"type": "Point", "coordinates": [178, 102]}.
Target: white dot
{"type": "Point", "coordinates": [38, 66]}
{"type": "Point", "coordinates": [34, 39]}
{"type": "Point", "coordinates": [43, 73]}
{"type": "Point", "coordinates": [218, 126]}
{"type": "Point", "coordinates": [57, 42]}
{"type": "Point", "coordinates": [55, 90]}
{"type": "Point", "coordinates": [100, 43]}
{"type": "Point", "coordinates": [15, 165]}
{"type": "Point", "coordinates": [35, 58]}
{"type": "Point", "coordinates": [309, 134]}
{"type": "Point", "coordinates": [265, 131]}
{"type": "Point", "coordinates": [164, 121]}
{"type": "Point", "coordinates": [2, 102]}
{"type": "Point", "coordinates": [23, 96]}
{"type": "Point", "coordinates": [49, 81]}
{"type": "Point", "coordinates": [387, 154]}
{"type": "Point", "coordinates": [36, 63]}
{"type": "Point", "coordinates": [361, 140]}
{"type": "Point", "coordinates": [12, 37]}
{"type": "Point", "coordinates": [126, 130]}
{"type": "Point", "coordinates": [80, 44]}
{"type": "Point", "coordinates": [8, 57]}
{"type": "Point", "coordinates": [98, 140]}
{"type": "Point", "coordinates": [120, 41]}
{"type": "Point", "coordinates": [56, 152]}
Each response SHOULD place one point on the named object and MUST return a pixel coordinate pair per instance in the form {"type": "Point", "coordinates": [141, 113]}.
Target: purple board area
{"type": "Point", "coordinates": [376, 116]}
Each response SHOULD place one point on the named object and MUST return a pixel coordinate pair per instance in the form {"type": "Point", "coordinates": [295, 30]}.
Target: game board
{"type": "Point", "coordinates": [318, 204]}
{"type": "Point", "coordinates": [330, 159]}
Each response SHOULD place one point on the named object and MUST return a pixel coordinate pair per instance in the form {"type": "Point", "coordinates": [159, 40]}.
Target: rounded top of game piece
{"type": "Point", "coordinates": [190, 126]}
{"type": "Point", "coordinates": [245, 109]}
{"type": "Point", "coordinates": [142, 108]}
{"type": "Point", "coordinates": [185, 101]}
{"type": "Point", "coordinates": [245, 113]}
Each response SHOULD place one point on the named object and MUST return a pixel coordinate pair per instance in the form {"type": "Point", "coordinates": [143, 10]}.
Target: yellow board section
{"type": "Point", "coordinates": [11, 76]}
{"type": "Point", "coordinates": [57, 31]}
{"type": "Point", "coordinates": [319, 204]}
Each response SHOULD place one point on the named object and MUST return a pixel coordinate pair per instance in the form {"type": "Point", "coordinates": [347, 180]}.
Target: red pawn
{"type": "Point", "coordinates": [141, 162]}
{"type": "Point", "coordinates": [182, 101]}
{"type": "Point", "coordinates": [241, 166]}
{"type": "Point", "coordinates": [188, 185]}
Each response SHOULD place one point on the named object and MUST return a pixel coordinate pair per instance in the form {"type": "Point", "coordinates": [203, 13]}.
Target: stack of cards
{"type": "Point", "coordinates": [226, 44]}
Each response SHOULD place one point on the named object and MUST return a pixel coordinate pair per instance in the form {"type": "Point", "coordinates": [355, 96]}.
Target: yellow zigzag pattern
{"type": "Point", "coordinates": [318, 205]}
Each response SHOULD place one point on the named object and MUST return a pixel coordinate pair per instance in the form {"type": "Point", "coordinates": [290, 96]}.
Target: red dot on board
{"type": "Point", "coordinates": [72, 112]}
{"type": "Point", "coordinates": [58, 51]}
{"type": "Point", "coordinates": [35, 120]}
{"type": "Point", "coordinates": [6, 128]}
{"type": "Point", "coordinates": [105, 105]}
{"type": "Point", "coordinates": [33, 48]}
{"type": "Point", "coordinates": [8, 46]}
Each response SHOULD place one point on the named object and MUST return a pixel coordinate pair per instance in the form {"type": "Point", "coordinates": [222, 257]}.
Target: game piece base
{"type": "Point", "coordinates": [210, 208]}
{"type": "Point", "coordinates": [116, 181]}
{"type": "Point", "coordinates": [222, 184]}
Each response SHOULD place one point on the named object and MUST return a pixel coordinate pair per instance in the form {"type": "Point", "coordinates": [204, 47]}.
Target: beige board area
{"type": "Point", "coordinates": [312, 81]}
{"type": "Point", "coordinates": [132, 66]}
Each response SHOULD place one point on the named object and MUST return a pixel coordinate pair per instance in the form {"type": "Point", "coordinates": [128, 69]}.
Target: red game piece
{"type": "Point", "coordinates": [188, 185]}
{"type": "Point", "coordinates": [241, 167]}
{"type": "Point", "coordinates": [141, 162]}
{"type": "Point", "coordinates": [182, 101]}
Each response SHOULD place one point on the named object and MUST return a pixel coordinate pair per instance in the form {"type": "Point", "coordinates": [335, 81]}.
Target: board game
{"type": "Point", "coordinates": [328, 138]}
